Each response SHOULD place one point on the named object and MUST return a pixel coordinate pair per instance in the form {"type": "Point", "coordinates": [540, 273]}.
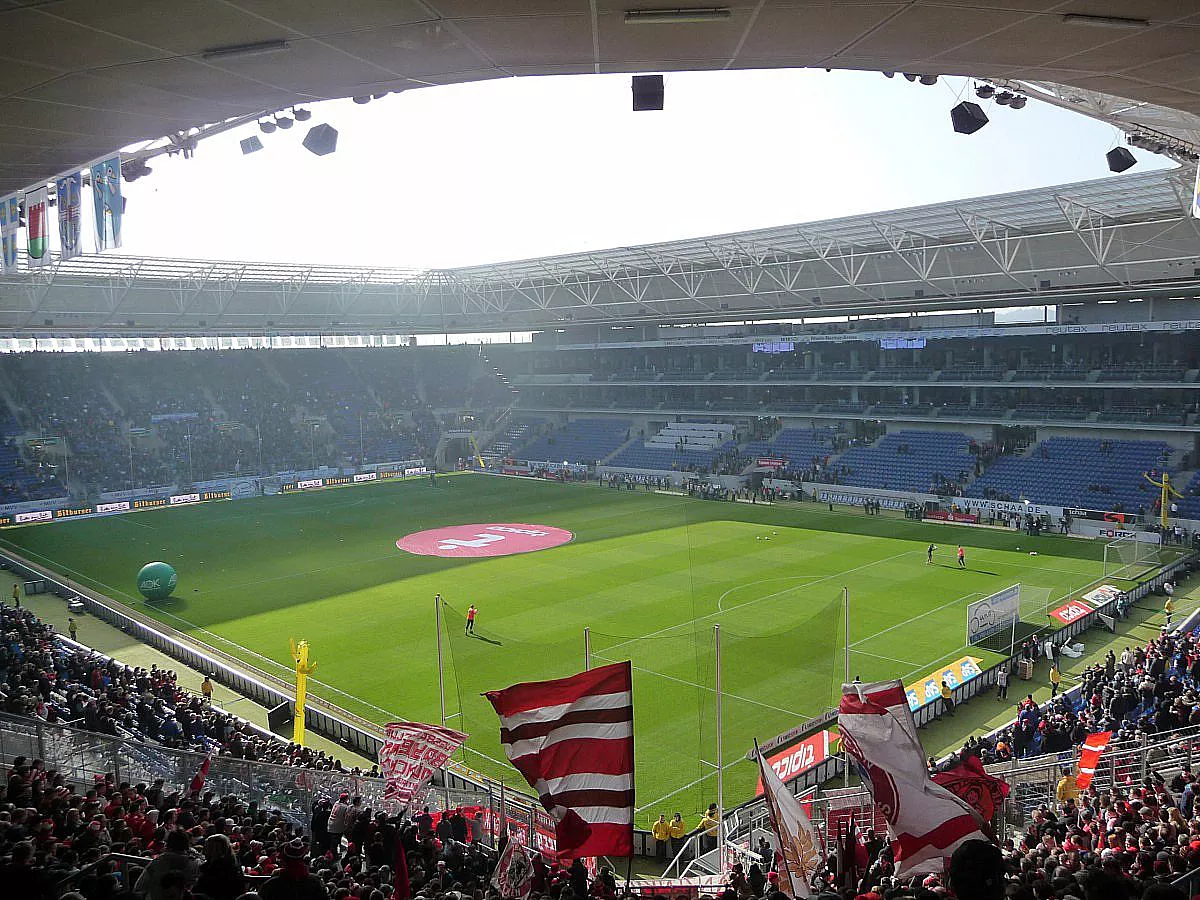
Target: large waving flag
{"type": "Point", "coordinates": [797, 840]}
{"type": "Point", "coordinates": [970, 781]}
{"type": "Point", "coordinates": [927, 822]}
{"type": "Point", "coordinates": [572, 739]}
{"type": "Point", "coordinates": [411, 753]}
{"type": "Point", "coordinates": [1090, 756]}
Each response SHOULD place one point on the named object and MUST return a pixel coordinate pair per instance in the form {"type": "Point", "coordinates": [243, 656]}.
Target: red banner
{"type": "Point", "coordinates": [1090, 756]}
{"type": "Point", "coordinates": [942, 515]}
{"type": "Point", "coordinates": [770, 462]}
{"type": "Point", "coordinates": [1069, 612]}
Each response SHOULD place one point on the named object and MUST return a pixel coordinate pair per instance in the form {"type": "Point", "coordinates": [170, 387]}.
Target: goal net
{"type": "Point", "coordinates": [1128, 555]}
{"type": "Point", "coordinates": [1003, 620]}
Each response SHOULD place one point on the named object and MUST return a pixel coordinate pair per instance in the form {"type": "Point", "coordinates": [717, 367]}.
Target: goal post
{"type": "Point", "coordinates": [1129, 553]}
{"type": "Point", "coordinates": [992, 621]}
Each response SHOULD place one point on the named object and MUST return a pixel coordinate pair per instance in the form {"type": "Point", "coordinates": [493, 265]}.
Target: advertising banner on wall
{"type": "Point", "coordinates": [929, 688]}
{"type": "Point", "coordinates": [801, 757]}
{"type": "Point", "coordinates": [1071, 611]}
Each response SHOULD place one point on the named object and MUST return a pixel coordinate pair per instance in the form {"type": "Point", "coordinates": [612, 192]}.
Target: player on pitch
{"type": "Point", "coordinates": [471, 620]}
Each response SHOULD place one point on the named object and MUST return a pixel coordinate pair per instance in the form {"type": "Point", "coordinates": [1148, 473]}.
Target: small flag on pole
{"type": "Point", "coordinates": [197, 784]}
{"type": "Point", "coordinates": [513, 877]}
{"type": "Point", "coordinates": [1090, 757]}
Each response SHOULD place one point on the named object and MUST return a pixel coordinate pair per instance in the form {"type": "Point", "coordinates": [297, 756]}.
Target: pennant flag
{"type": "Point", "coordinates": [513, 877]}
{"type": "Point", "coordinates": [852, 855]}
{"type": "Point", "coordinates": [1092, 748]}
{"type": "Point", "coordinates": [927, 822]}
{"type": "Point", "coordinates": [411, 753]}
{"type": "Point", "coordinates": [37, 227]}
{"type": "Point", "coordinates": [572, 739]}
{"type": "Point", "coordinates": [69, 193]}
{"type": "Point", "coordinates": [10, 223]}
{"type": "Point", "coordinates": [969, 781]}
{"type": "Point", "coordinates": [793, 831]}
{"type": "Point", "coordinates": [107, 203]}
{"type": "Point", "coordinates": [197, 784]}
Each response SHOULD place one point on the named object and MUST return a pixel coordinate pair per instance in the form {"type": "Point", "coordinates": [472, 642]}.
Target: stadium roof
{"type": "Point", "coordinates": [1116, 237]}
{"type": "Point", "coordinates": [83, 78]}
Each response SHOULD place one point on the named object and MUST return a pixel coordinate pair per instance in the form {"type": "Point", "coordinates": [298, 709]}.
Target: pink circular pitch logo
{"type": "Point", "coordinates": [493, 539]}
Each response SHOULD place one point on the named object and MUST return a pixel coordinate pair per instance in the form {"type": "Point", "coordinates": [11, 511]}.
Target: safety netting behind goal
{"type": "Point", "coordinates": [1129, 556]}
{"type": "Point", "coordinates": [771, 680]}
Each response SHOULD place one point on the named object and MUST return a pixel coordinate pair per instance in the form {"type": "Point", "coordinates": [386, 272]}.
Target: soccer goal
{"type": "Point", "coordinates": [1129, 554]}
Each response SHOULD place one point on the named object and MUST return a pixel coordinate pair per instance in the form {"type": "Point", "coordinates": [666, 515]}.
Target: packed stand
{"type": "Point", "coordinates": [199, 845]}
{"type": "Point", "coordinates": [45, 679]}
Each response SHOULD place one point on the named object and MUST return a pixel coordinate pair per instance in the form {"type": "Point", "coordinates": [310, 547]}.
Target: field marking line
{"type": "Point", "coordinates": [703, 687]}
{"type": "Point", "coordinates": [128, 520]}
{"type": "Point", "coordinates": [903, 662]}
{"type": "Point", "coordinates": [819, 580]}
{"type": "Point", "coordinates": [927, 612]}
{"type": "Point", "coordinates": [721, 599]}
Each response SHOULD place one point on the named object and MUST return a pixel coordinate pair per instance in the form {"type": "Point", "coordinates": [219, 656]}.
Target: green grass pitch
{"type": "Point", "coordinates": [649, 574]}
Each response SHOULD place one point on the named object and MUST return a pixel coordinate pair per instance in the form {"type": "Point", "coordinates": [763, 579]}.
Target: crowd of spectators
{"type": "Point", "coordinates": [140, 419]}
{"type": "Point", "coordinates": [46, 679]}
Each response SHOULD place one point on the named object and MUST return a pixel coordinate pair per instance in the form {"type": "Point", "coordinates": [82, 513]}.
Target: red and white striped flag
{"type": "Point", "coordinates": [572, 739]}
{"type": "Point", "coordinates": [197, 784]}
{"type": "Point", "coordinates": [927, 822]}
{"type": "Point", "coordinates": [1092, 748]}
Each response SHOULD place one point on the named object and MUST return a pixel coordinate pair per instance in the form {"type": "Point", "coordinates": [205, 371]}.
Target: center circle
{"type": "Point", "coordinates": [490, 539]}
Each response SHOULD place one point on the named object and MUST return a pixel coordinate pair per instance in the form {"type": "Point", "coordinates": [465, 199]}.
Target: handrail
{"type": "Point", "coordinates": [129, 858]}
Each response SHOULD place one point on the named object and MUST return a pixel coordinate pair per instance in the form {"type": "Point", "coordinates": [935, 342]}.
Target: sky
{"type": "Point", "coordinates": [518, 168]}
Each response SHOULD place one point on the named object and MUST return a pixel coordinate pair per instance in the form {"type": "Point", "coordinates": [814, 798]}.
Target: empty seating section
{"type": "Point", "coordinates": [910, 461]}
{"type": "Point", "coordinates": [1189, 506]}
{"type": "Point", "coordinates": [516, 434]}
{"type": "Point", "coordinates": [580, 441]}
{"type": "Point", "coordinates": [800, 448]}
{"type": "Point", "coordinates": [1080, 472]}
{"type": "Point", "coordinates": [684, 446]}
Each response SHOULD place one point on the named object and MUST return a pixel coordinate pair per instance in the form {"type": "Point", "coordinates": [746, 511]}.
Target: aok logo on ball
{"type": "Point", "coordinates": [491, 539]}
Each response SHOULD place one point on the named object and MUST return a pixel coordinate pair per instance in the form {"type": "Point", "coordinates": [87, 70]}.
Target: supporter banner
{"type": "Point", "coordinates": [1071, 611]}
{"type": "Point", "coordinates": [942, 515]}
{"type": "Point", "coordinates": [68, 192]}
{"type": "Point", "coordinates": [770, 462]}
{"type": "Point", "coordinates": [411, 753]}
{"type": "Point", "coordinates": [10, 224]}
{"type": "Point", "coordinates": [107, 204]}
{"type": "Point", "coordinates": [929, 688]}
{"type": "Point", "coordinates": [514, 872]}
{"type": "Point", "coordinates": [37, 227]}
{"type": "Point", "coordinates": [993, 614]}
{"type": "Point", "coordinates": [800, 757]}
{"type": "Point", "coordinates": [173, 417]}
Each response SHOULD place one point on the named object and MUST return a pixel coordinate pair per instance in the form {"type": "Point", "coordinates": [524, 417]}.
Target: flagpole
{"type": "Point", "coordinates": [587, 649]}
{"type": "Point", "coordinates": [846, 667]}
{"type": "Point", "coordinates": [720, 755]}
{"type": "Point", "coordinates": [437, 619]}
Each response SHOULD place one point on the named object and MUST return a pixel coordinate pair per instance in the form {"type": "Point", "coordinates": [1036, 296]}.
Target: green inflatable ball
{"type": "Point", "coordinates": [157, 580]}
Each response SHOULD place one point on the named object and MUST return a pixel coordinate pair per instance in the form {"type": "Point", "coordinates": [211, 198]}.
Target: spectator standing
{"type": "Point", "coordinates": [1002, 682]}
{"type": "Point", "coordinates": [293, 881]}
{"type": "Point", "coordinates": [221, 877]}
{"type": "Point", "coordinates": [1055, 680]}
{"type": "Point", "coordinates": [947, 699]}
{"type": "Point", "coordinates": [340, 819]}
{"type": "Point", "coordinates": [176, 859]}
